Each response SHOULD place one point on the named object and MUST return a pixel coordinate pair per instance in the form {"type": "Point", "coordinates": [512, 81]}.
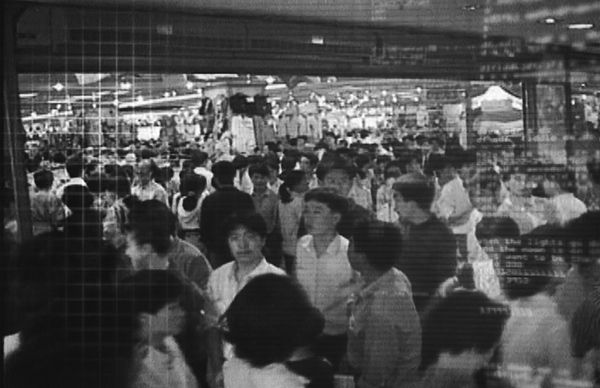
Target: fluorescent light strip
{"type": "Point", "coordinates": [47, 116]}
{"type": "Point", "coordinates": [160, 100]}
{"type": "Point", "coordinates": [580, 26]}
{"type": "Point", "coordinates": [27, 95]}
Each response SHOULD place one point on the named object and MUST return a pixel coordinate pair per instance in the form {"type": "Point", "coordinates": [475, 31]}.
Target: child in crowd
{"type": "Point", "coordinates": [289, 211]}
{"type": "Point", "coordinates": [323, 268]}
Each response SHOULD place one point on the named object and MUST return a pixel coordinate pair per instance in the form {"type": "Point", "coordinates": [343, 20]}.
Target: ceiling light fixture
{"type": "Point", "coordinates": [549, 21]}
{"type": "Point", "coordinates": [472, 7]}
{"type": "Point", "coordinates": [58, 87]}
{"type": "Point", "coordinates": [580, 26]}
{"type": "Point", "coordinates": [189, 85]}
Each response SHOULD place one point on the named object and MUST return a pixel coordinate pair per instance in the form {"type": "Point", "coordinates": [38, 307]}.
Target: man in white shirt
{"type": "Point", "coordinates": [246, 239]}
{"type": "Point", "coordinates": [146, 188]}
{"type": "Point", "coordinates": [324, 271]}
{"type": "Point", "coordinates": [201, 163]}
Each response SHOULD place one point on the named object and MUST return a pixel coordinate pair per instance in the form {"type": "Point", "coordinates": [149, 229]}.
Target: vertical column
{"type": "Point", "coordinates": [14, 133]}
{"type": "Point", "coordinates": [530, 124]}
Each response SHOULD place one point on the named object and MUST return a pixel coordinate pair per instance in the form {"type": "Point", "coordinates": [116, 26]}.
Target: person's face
{"type": "Point", "coordinates": [338, 180]}
{"type": "Point", "coordinates": [259, 181]}
{"type": "Point", "coordinates": [167, 321]}
{"type": "Point", "coordinates": [319, 218]}
{"type": "Point", "coordinates": [145, 173]}
{"type": "Point", "coordinates": [300, 144]}
{"type": "Point", "coordinates": [305, 164]}
{"type": "Point", "coordinates": [301, 187]}
{"type": "Point", "coordinates": [404, 209]}
{"type": "Point", "coordinates": [413, 166]}
{"type": "Point", "coordinates": [139, 254]}
{"type": "Point", "coordinates": [245, 245]}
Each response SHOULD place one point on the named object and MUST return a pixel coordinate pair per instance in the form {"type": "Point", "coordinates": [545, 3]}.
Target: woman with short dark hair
{"type": "Point", "coordinates": [272, 325]}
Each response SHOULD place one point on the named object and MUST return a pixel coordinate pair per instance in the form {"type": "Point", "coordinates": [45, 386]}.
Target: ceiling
{"type": "Point", "coordinates": [516, 18]}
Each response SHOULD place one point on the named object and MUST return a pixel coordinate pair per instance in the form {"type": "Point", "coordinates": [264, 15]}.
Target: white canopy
{"type": "Point", "coordinates": [496, 94]}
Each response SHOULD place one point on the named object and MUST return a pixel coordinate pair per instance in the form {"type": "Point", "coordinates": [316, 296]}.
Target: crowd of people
{"type": "Point", "coordinates": [329, 266]}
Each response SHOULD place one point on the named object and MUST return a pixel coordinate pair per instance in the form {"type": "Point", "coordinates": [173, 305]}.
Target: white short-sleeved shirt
{"type": "Point", "coordinates": [223, 286]}
{"type": "Point", "coordinates": [328, 280]}
{"type": "Point", "coordinates": [239, 374]}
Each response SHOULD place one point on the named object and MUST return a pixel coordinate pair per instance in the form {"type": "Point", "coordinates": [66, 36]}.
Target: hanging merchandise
{"type": "Point", "coordinates": [238, 104]}
{"type": "Point", "coordinates": [262, 106]}
{"type": "Point", "coordinates": [313, 122]}
{"type": "Point", "coordinates": [422, 116]}
{"type": "Point", "coordinates": [289, 124]}
{"type": "Point", "coordinates": [264, 130]}
{"type": "Point", "coordinates": [242, 134]}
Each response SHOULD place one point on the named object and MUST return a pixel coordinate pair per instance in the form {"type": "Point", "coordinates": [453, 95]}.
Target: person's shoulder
{"type": "Point", "coordinates": [221, 271]}
{"type": "Point", "coordinates": [305, 240]}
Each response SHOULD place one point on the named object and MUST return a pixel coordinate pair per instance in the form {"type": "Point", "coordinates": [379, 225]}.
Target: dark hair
{"type": "Point", "coordinates": [121, 186]}
{"type": "Point", "coordinates": [288, 162]}
{"type": "Point", "coordinates": [312, 158]}
{"type": "Point", "coordinates": [151, 290]}
{"type": "Point", "coordinates": [497, 227]}
{"type": "Point", "coordinates": [462, 321]}
{"type": "Point", "coordinates": [74, 166]}
{"type": "Point", "coordinates": [254, 159]}
{"type": "Point", "coordinates": [192, 184]}
{"type": "Point", "coordinates": [416, 188]}
{"type": "Point", "coordinates": [152, 222]}
{"type": "Point", "coordinates": [381, 242]}
{"type": "Point", "coordinates": [290, 180]}
{"type": "Point", "coordinates": [362, 160]}
{"type": "Point", "coordinates": [335, 202]}
{"type": "Point", "coordinates": [87, 339]}
{"type": "Point", "coordinates": [43, 179]}
{"type": "Point", "coordinates": [392, 170]}
{"type": "Point", "coordinates": [199, 158]}
{"type": "Point", "coordinates": [224, 172]}
{"type": "Point", "coordinates": [252, 221]}
{"type": "Point", "coordinates": [269, 319]}
{"type": "Point", "coordinates": [336, 163]}
{"type": "Point", "coordinates": [585, 232]}
{"type": "Point", "coordinates": [593, 168]}
{"type": "Point", "coordinates": [59, 158]}
{"type": "Point", "coordinates": [77, 197]}
{"type": "Point", "coordinates": [240, 162]}
{"type": "Point", "coordinates": [260, 169]}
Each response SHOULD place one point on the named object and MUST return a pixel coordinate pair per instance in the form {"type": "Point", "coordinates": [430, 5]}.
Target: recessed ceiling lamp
{"type": "Point", "coordinates": [189, 85]}
{"type": "Point", "coordinates": [58, 87]}
{"type": "Point", "coordinates": [125, 85]}
{"type": "Point", "coordinates": [580, 26]}
{"type": "Point", "coordinates": [140, 98]}
{"type": "Point", "coordinates": [472, 7]}
{"type": "Point", "coordinates": [549, 21]}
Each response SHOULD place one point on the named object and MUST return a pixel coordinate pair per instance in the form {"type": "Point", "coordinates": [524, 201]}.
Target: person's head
{"type": "Point", "coordinates": [301, 142]}
{"type": "Point", "coordinates": [593, 168]}
{"type": "Point", "coordinates": [583, 235]}
{"type": "Point", "coordinates": [269, 319]}
{"type": "Point", "coordinates": [77, 197]}
{"type": "Point", "coordinates": [464, 322]}
{"type": "Point", "coordinates": [375, 246]}
{"type": "Point", "coordinates": [75, 167]}
{"type": "Point", "coordinates": [43, 179]}
{"type": "Point", "coordinates": [199, 158]}
{"type": "Point", "coordinates": [246, 234]}
{"type": "Point", "coordinates": [194, 185]}
{"type": "Point", "coordinates": [413, 196]}
{"type": "Point", "coordinates": [240, 162]}
{"type": "Point", "coordinates": [323, 211]}
{"type": "Point", "coordinates": [259, 174]}
{"type": "Point", "coordinates": [288, 163]}
{"type": "Point", "coordinates": [337, 173]}
{"type": "Point", "coordinates": [293, 182]}
{"type": "Point", "coordinates": [224, 173]}
{"type": "Point", "coordinates": [146, 172]}
{"type": "Point", "coordinates": [392, 173]}
{"type": "Point", "coordinates": [151, 224]}
{"type": "Point", "coordinates": [84, 339]}
{"type": "Point", "coordinates": [156, 297]}
{"type": "Point", "coordinates": [308, 162]}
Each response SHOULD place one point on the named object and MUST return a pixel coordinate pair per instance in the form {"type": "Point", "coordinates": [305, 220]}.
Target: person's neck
{"type": "Point", "coordinates": [157, 341]}
{"type": "Point", "coordinates": [323, 240]}
{"type": "Point", "coordinates": [260, 191]}
{"type": "Point", "coordinates": [243, 269]}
